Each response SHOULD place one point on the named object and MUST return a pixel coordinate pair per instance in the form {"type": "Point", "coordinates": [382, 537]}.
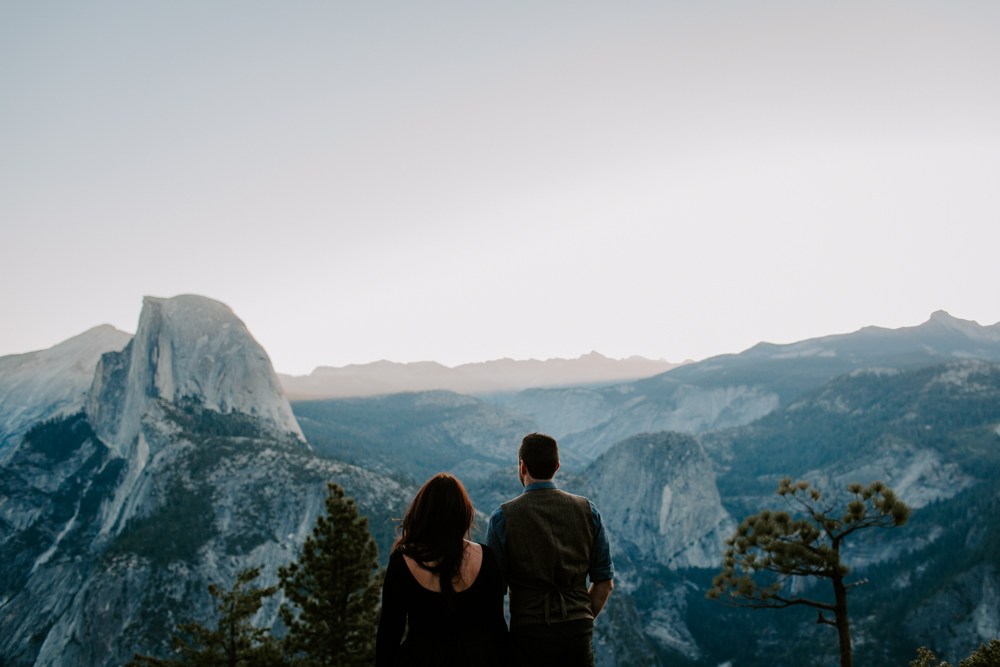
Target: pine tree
{"type": "Point", "coordinates": [333, 587]}
{"type": "Point", "coordinates": [234, 642]}
{"type": "Point", "coordinates": [780, 547]}
{"type": "Point", "coordinates": [985, 656]}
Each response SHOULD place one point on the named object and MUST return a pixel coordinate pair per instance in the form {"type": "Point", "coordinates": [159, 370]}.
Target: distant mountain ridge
{"type": "Point", "coordinates": [735, 389]}
{"type": "Point", "coordinates": [488, 377]}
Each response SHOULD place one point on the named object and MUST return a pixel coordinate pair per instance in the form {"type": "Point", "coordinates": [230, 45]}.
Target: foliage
{"type": "Point", "coordinates": [59, 437]}
{"type": "Point", "coordinates": [234, 642]}
{"type": "Point", "coordinates": [192, 417]}
{"type": "Point", "coordinates": [770, 548]}
{"type": "Point", "coordinates": [926, 658]}
{"type": "Point", "coordinates": [333, 587]}
{"type": "Point", "coordinates": [173, 531]}
{"type": "Point", "coordinates": [805, 547]}
{"type": "Point", "coordinates": [985, 656]}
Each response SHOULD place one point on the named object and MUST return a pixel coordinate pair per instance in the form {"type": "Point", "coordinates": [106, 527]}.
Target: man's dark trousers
{"type": "Point", "coordinates": [568, 644]}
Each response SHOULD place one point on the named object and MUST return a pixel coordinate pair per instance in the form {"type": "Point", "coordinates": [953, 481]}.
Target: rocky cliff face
{"type": "Point", "coordinates": [186, 467]}
{"type": "Point", "coordinates": [683, 408]}
{"type": "Point", "coordinates": [658, 497]}
{"type": "Point", "coordinates": [38, 385]}
{"type": "Point", "coordinates": [589, 421]}
{"type": "Point", "coordinates": [185, 347]}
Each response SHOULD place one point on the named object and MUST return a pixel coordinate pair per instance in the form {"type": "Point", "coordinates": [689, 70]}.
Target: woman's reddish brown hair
{"type": "Point", "coordinates": [435, 527]}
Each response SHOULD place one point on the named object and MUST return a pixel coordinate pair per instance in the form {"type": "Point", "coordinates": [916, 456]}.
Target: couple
{"type": "Point", "coordinates": [542, 544]}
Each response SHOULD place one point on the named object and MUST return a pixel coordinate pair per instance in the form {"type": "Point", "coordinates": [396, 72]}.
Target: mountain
{"type": "Point", "coordinates": [188, 347]}
{"type": "Point", "coordinates": [658, 496]}
{"type": "Point", "coordinates": [185, 466]}
{"type": "Point", "coordinates": [735, 389]}
{"type": "Point", "coordinates": [38, 385]}
{"type": "Point", "coordinates": [489, 377]}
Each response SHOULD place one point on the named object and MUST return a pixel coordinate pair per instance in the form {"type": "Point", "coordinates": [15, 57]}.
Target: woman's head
{"type": "Point", "coordinates": [440, 512]}
{"type": "Point", "coordinates": [435, 527]}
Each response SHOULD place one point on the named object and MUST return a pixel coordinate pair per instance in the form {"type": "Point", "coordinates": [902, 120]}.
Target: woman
{"type": "Point", "coordinates": [448, 589]}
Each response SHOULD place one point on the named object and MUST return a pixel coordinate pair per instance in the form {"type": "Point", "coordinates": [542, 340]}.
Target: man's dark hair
{"type": "Point", "coordinates": [541, 454]}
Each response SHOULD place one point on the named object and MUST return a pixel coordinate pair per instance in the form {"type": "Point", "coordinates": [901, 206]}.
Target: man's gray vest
{"type": "Point", "coordinates": [550, 534]}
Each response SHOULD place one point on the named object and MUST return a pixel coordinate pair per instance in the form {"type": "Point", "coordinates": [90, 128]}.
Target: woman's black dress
{"type": "Point", "coordinates": [473, 632]}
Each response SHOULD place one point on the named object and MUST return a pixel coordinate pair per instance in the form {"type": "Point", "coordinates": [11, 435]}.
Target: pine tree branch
{"type": "Point", "coordinates": [821, 619]}
{"type": "Point", "coordinates": [803, 601]}
{"type": "Point", "coordinates": [776, 602]}
{"type": "Point", "coordinates": [878, 522]}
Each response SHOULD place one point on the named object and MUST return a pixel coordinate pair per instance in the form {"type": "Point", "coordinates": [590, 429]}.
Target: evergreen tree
{"type": "Point", "coordinates": [771, 547]}
{"type": "Point", "coordinates": [333, 587]}
{"type": "Point", "coordinates": [986, 656]}
{"type": "Point", "coordinates": [234, 642]}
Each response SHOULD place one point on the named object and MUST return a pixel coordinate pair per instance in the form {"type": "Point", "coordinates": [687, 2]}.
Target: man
{"type": "Point", "coordinates": [548, 542]}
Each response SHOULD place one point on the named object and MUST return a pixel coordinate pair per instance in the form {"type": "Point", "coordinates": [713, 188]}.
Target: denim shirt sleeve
{"type": "Point", "coordinates": [601, 566]}
{"type": "Point", "coordinates": [496, 538]}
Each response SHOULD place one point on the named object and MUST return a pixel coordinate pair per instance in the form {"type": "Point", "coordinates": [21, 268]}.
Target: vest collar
{"type": "Point", "coordinates": [534, 486]}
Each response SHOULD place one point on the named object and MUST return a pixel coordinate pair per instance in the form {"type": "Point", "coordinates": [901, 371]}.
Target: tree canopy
{"type": "Point", "coordinates": [769, 549]}
{"type": "Point", "coordinates": [333, 586]}
{"type": "Point", "coordinates": [235, 642]}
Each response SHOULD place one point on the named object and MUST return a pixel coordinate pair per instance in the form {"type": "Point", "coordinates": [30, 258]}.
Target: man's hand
{"type": "Point", "coordinates": [599, 594]}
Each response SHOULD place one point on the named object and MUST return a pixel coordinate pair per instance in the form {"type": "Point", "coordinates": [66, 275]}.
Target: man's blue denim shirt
{"type": "Point", "coordinates": [601, 566]}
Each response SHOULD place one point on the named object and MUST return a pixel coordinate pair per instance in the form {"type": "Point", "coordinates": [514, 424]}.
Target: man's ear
{"type": "Point", "coordinates": [557, 468]}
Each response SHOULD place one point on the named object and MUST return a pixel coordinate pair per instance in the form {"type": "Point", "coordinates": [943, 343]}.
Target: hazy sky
{"type": "Point", "coordinates": [466, 181]}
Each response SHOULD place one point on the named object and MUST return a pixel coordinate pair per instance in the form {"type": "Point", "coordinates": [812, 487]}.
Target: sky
{"type": "Point", "coordinates": [467, 181]}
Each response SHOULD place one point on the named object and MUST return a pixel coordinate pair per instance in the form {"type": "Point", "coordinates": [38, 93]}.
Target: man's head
{"type": "Point", "coordinates": [538, 456]}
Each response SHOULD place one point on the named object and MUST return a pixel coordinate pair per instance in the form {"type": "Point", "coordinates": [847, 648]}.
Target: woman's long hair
{"type": "Point", "coordinates": [435, 527]}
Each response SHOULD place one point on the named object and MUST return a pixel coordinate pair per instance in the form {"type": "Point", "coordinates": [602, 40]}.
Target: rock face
{"type": "Point", "coordinates": [682, 408]}
{"type": "Point", "coordinates": [563, 411]}
{"type": "Point", "coordinates": [38, 385]}
{"type": "Point", "coordinates": [588, 421]}
{"type": "Point", "coordinates": [186, 467]}
{"type": "Point", "coordinates": [978, 589]}
{"type": "Point", "coordinates": [658, 497]}
{"type": "Point", "coordinates": [185, 347]}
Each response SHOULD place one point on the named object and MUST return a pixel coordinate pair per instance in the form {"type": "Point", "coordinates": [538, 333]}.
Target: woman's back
{"type": "Point", "coordinates": [472, 560]}
{"type": "Point", "coordinates": [463, 628]}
